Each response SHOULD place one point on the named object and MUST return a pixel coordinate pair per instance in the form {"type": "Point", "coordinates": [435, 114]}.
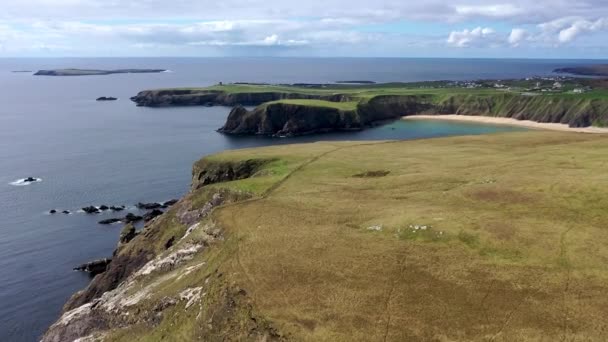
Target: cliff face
{"type": "Point", "coordinates": [122, 296]}
{"type": "Point", "coordinates": [289, 119]}
{"type": "Point", "coordinates": [283, 119]}
{"type": "Point", "coordinates": [193, 97]}
{"type": "Point", "coordinates": [573, 111]}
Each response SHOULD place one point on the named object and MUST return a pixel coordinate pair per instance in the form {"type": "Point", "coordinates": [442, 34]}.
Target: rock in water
{"type": "Point", "coordinates": [131, 218]}
{"type": "Point", "coordinates": [94, 267]}
{"type": "Point", "coordinates": [104, 98]}
{"type": "Point", "coordinates": [90, 210]}
{"type": "Point", "coordinates": [170, 203]}
{"type": "Point", "coordinates": [30, 179]}
{"type": "Point", "coordinates": [110, 221]}
{"type": "Point", "coordinates": [53, 211]}
{"type": "Point", "coordinates": [114, 208]}
{"type": "Point", "coordinates": [67, 212]}
{"type": "Point", "coordinates": [149, 206]}
{"type": "Point", "coordinates": [152, 214]}
{"type": "Point", "coordinates": [104, 208]}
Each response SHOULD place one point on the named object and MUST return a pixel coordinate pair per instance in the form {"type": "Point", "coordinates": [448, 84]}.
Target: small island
{"type": "Point", "coordinates": [94, 72]}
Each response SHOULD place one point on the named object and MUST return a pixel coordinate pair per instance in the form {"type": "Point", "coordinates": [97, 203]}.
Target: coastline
{"type": "Point", "coordinates": [511, 122]}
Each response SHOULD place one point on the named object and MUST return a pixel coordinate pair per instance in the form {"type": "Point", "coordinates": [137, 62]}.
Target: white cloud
{"type": "Point", "coordinates": [567, 29]}
{"type": "Point", "coordinates": [466, 38]}
{"type": "Point", "coordinates": [494, 11]}
{"type": "Point", "coordinates": [517, 36]}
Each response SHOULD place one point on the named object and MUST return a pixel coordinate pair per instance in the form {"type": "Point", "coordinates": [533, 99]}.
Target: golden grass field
{"type": "Point", "coordinates": [511, 242]}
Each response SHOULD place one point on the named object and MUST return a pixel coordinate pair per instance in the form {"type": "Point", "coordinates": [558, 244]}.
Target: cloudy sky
{"type": "Point", "coordinates": [380, 28]}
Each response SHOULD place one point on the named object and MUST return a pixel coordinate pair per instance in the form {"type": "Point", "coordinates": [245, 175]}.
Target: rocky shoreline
{"type": "Point", "coordinates": [140, 253]}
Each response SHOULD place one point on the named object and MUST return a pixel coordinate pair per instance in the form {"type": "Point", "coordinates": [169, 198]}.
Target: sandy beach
{"type": "Point", "coordinates": [511, 122]}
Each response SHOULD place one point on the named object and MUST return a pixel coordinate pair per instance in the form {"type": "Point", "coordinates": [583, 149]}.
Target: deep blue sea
{"type": "Point", "coordinates": [114, 153]}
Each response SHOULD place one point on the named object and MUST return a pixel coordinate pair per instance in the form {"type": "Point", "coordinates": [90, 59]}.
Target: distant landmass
{"type": "Point", "coordinates": [588, 70]}
{"type": "Point", "coordinates": [94, 72]}
{"type": "Point", "coordinates": [355, 82]}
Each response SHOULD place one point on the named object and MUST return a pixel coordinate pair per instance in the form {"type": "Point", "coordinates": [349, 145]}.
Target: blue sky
{"type": "Point", "coordinates": [356, 28]}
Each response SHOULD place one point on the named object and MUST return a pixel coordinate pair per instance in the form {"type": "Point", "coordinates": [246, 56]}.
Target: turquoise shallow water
{"type": "Point", "coordinates": [114, 153]}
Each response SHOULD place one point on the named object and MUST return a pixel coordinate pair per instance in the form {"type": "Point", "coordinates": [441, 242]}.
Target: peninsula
{"type": "Point", "coordinates": [588, 70]}
{"type": "Point", "coordinates": [286, 110]}
{"type": "Point", "coordinates": [94, 72]}
{"type": "Point", "coordinates": [494, 237]}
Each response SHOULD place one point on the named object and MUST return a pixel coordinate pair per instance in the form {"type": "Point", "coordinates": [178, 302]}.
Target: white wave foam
{"type": "Point", "coordinates": [168, 71]}
{"type": "Point", "coordinates": [22, 182]}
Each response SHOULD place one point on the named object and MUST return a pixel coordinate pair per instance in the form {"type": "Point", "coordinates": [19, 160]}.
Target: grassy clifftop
{"type": "Point", "coordinates": [496, 237]}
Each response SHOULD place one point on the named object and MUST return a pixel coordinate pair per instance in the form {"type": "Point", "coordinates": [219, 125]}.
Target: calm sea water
{"type": "Point", "coordinates": [114, 153]}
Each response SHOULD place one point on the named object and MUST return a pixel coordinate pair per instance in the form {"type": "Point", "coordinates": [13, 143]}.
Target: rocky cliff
{"type": "Point", "coordinates": [125, 295]}
{"type": "Point", "coordinates": [194, 97]}
{"type": "Point", "coordinates": [282, 119]}
{"type": "Point", "coordinates": [290, 119]}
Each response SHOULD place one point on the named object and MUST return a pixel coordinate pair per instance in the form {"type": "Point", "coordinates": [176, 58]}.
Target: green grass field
{"type": "Point", "coordinates": [478, 238]}
{"type": "Point", "coordinates": [441, 88]}
{"type": "Point", "coordinates": [351, 105]}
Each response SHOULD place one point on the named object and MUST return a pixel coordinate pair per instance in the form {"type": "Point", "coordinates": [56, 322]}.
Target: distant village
{"type": "Point", "coordinates": [530, 86]}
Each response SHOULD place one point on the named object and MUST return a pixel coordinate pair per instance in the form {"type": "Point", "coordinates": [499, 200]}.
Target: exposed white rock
{"type": "Point", "coordinates": [176, 257]}
{"type": "Point", "coordinates": [192, 295]}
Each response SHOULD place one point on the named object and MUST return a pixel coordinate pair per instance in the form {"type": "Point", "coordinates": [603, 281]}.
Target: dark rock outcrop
{"type": "Point", "coordinates": [281, 119]}
{"type": "Point", "coordinates": [91, 210]}
{"type": "Point", "coordinates": [207, 172]}
{"type": "Point", "coordinates": [170, 202]}
{"type": "Point", "coordinates": [149, 206]}
{"type": "Point", "coordinates": [110, 221]}
{"type": "Point", "coordinates": [127, 234]}
{"type": "Point", "coordinates": [53, 211]}
{"type": "Point", "coordinates": [132, 218]}
{"type": "Point", "coordinates": [115, 208]}
{"type": "Point", "coordinates": [149, 216]}
{"type": "Point", "coordinates": [94, 267]}
{"type": "Point", "coordinates": [104, 98]}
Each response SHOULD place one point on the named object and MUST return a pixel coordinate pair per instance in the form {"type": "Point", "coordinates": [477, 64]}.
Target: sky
{"type": "Point", "coordinates": [305, 28]}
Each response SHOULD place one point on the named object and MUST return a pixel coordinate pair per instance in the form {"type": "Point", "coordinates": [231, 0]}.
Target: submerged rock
{"type": "Point", "coordinates": [67, 212]}
{"type": "Point", "coordinates": [94, 267]}
{"type": "Point", "coordinates": [30, 179]}
{"type": "Point", "coordinates": [110, 221]}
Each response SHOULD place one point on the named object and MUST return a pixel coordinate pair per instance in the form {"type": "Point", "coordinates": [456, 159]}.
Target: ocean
{"type": "Point", "coordinates": [92, 153]}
